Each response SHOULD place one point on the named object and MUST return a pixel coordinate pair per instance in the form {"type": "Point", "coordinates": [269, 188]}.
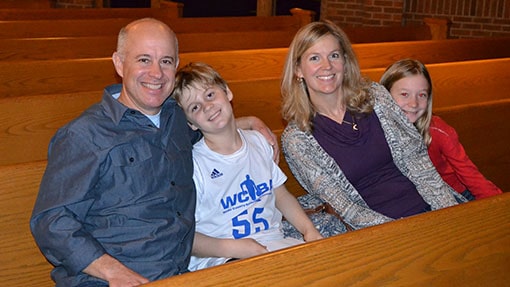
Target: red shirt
{"type": "Point", "coordinates": [453, 164]}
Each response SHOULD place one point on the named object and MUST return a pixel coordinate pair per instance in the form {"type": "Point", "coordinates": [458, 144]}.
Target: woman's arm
{"type": "Point", "coordinates": [319, 174]}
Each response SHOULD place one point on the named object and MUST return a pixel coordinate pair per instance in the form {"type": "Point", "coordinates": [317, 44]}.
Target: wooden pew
{"type": "Point", "coordinates": [111, 26]}
{"type": "Point", "coordinates": [174, 9]}
{"type": "Point", "coordinates": [29, 122]}
{"type": "Point", "coordinates": [370, 55]}
{"type": "Point", "coordinates": [485, 135]}
{"type": "Point", "coordinates": [478, 77]}
{"type": "Point", "coordinates": [431, 29]}
{"type": "Point", "coordinates": [438, 248]}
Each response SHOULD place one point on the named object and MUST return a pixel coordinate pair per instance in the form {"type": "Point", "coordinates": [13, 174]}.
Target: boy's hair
{"type": "Point", "coordinates": [405, 68]}
{"type": "Point", "coordinates": [196, 74]}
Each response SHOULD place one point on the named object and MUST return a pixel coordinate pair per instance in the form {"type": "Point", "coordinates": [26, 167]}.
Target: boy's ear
{"type": "Point", "coordinates": [230, 95]}
{"type": "Point", "coordinates": [192, 126]}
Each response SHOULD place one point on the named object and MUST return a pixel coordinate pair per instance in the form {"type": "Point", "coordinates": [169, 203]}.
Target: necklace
{"type": "Point", "coordinates": [353, 124]}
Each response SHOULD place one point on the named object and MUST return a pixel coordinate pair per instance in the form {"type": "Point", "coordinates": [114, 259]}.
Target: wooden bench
{"type": "Point", "coordinates": [111, 26]}
{"type": "Point", "coordinates": [28, 122]}
{"type": "Point", "coordinates": [438, 248]}
{"type": "Point", "coordinates": [173, 9]}
{"type": "Point", "coordinates": [431, 29]}
{"type": "Point", "coordinates": [370, 55]}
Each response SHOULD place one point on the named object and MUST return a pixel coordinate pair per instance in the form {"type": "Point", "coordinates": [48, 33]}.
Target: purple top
{"type": "Point", "coordinates": [364, 157]}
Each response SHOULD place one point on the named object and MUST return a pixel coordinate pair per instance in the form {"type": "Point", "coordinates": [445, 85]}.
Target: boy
{"type": "Point", "coordinates": [240, 191]}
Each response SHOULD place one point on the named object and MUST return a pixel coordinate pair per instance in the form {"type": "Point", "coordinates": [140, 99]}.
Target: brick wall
{"type": "Point", "coordinates": [469, 18]}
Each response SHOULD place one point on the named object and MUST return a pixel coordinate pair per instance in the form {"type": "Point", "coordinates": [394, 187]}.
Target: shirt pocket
{"type": "Point", "coordinates": [130, 154]}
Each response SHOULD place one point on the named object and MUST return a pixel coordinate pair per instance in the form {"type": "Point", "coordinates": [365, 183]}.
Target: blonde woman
{"type": "Point", "coordinates": [347, 141]}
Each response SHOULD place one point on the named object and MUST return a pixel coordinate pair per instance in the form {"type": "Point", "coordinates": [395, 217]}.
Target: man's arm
{"type": "Point", "coordinates": [111, 270]}
{"type": "Point", "coordinates": [254, 123]}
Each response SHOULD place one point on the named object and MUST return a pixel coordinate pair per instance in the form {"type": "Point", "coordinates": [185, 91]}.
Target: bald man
{"type": "Point", "coordinates": [116, 203]}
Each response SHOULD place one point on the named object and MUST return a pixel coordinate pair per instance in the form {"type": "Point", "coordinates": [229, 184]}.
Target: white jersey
{"type": "Point", "coordinates": [235, 195]}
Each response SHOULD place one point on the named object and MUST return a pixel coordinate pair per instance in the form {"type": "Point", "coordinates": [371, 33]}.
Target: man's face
{"type": "Point", "coordinates": [147, 66]}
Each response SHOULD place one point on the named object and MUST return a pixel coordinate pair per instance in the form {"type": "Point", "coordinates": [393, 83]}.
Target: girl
{"type": "Point", "coordinates": [410, 85]}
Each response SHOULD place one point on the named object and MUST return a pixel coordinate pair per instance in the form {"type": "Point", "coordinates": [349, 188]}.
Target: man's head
{"type": "Point", "coordinates": [146, 59]}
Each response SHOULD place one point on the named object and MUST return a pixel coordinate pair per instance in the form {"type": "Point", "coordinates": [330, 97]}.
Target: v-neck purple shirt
{"type": "Point", "coordinates": [365, 158]}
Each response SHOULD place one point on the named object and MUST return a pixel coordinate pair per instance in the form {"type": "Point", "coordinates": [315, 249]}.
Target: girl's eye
{"type": "Point", "coordinates": [404, 94]}
{"type": "Point", "coordinates": [335, 55]}
{"type": "Point", "coordinates": [314, 58]}
{"type": "Point", "coordinates": [424, 95]}
{"type": "Point", "coordinates": [210, 95]}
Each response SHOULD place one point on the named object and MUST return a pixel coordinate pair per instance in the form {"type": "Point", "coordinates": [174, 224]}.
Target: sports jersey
{"type": "Point", "coordinates": [235, 195]}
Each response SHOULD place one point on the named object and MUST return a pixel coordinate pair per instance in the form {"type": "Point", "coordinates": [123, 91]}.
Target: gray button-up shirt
{"type": "Point", "coordinates": [117, 184]}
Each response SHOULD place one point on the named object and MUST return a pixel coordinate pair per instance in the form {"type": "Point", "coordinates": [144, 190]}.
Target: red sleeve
{"type": "Point", "coordinates": [455, 155]}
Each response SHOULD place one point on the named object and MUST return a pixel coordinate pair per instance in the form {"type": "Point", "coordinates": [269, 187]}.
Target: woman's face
{"type": "Point", "coordinates": [411, 94]}
{"type": "Point", "coordinates": [322, 67]}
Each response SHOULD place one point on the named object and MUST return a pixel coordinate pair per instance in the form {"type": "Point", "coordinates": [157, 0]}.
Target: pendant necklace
{"type": "Point", "coordinates": [353, 124]}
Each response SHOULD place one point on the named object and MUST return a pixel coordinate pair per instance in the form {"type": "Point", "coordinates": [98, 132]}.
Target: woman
{"type": "Point", "coordinates": [347, 141]}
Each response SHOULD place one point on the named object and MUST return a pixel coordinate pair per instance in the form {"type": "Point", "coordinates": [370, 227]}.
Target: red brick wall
{"type": "Point", "coordinates": [469, 18]}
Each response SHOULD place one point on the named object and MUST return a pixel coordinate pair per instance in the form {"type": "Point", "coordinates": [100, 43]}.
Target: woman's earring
{"type": "Point", "coordinates": [300, 80]}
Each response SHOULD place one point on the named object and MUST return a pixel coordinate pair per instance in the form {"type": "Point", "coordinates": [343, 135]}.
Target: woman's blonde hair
{"type": "Point", "coordinates": [296, 104]}
{"type": "Point", "coordinates": [405, 68]}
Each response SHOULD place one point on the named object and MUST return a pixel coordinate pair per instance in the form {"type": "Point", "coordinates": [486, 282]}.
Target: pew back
{"type": "Point", "coordinates": [174, 9]}
{"type": "Point", "coordinates": [111, 26]}
{"type": "Point", "coordinates": [437, 248]}
{"type": "Point", "coordinates": [370, 55]}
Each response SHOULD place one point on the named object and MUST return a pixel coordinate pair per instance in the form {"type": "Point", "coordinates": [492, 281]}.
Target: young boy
{"type": "Point", "coordinates": [240, 191]}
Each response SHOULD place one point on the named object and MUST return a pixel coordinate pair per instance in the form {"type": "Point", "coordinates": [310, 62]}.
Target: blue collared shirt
{"type": "Point", "coordinates": [117, 184]}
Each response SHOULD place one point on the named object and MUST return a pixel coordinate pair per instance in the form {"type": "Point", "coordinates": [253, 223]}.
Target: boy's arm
{"type": "Point", "coordinates": [207, 246]}
{"type": "Point", "coordinates": [254, 123]}
{"type": "Point", "coordinates": [294, 213]}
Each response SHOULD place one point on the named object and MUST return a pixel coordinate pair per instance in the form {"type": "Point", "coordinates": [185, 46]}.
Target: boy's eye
{"type": "Point", "coordinates": [194, 108]}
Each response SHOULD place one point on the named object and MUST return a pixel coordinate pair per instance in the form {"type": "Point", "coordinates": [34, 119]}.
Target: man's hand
{"type": "Point", "coordinates": [111, 270]}
{"type": "Point", "coordinates": [254, 123]}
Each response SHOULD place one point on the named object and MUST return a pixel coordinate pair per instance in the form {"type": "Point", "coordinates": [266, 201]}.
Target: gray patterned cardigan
{"type": "Point", "coordinates": [319, 174]}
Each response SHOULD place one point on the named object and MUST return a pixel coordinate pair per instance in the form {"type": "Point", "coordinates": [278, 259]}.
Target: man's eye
{"type": "Point", "coordinates": [168, 61]}
{"type": "Point", "coordinates": [143, 60]}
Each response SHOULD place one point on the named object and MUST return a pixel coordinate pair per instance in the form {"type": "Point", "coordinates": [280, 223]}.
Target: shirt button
{"type": "Point", "coordinates": [172, 183]}
{"type": "Point", "coordinates": [178, 213]}
{"type": "Point", "coordinates": [131, 159]}
{"type": "Point", "coordinates": [132, 112]}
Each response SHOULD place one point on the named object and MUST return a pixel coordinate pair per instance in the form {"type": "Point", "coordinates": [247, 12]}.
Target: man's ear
{"type": "Point", "coordinates": [117, 62]}
{"type": "Point", "coordinates": [230, 95]}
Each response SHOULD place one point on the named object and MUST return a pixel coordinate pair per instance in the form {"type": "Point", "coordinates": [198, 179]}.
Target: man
{"type": "Point", "coordinates": [116, 202]}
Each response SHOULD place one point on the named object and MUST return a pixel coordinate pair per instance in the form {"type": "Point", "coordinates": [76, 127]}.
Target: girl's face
{"type": "Point", "coordinates": [411, 94]}
{"type": "Point", "coordinates": [322, 67]}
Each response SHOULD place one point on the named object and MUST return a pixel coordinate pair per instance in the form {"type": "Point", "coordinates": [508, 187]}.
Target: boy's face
{"type": "Point", "coordinates": [207, 108]}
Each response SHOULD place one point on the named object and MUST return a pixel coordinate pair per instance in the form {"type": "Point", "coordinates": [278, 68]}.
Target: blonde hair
{"type": "Point", "coordinates": [296, 104]}
{"type": "Point", "coordinates": [405, 68]}
{"type": "Point", "coordinates": [196, 74]}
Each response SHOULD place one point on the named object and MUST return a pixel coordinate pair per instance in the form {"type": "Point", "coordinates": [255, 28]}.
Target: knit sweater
{"type": "Point", "coordinates": [320, 175]}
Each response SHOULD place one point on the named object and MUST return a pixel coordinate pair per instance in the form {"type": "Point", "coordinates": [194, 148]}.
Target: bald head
{"type": "Point", "coordinates": [145, 27]}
